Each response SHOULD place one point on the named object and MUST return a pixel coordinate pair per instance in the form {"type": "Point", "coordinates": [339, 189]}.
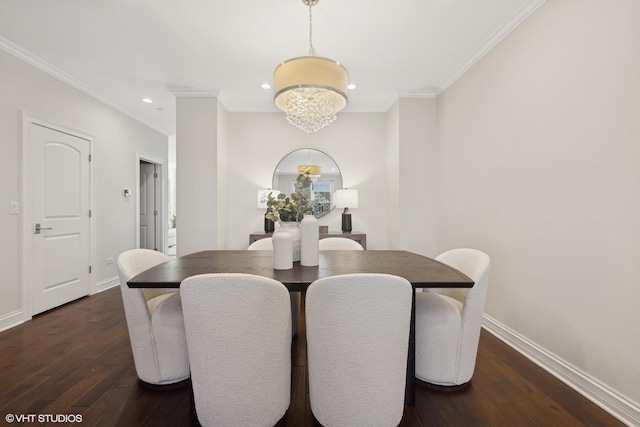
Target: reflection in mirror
{"type": "Point", "coordinates": [325, 181]}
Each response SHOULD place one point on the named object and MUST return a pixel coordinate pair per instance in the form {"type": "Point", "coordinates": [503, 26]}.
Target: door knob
{"type": "Point", "coordinates": [38, 228]}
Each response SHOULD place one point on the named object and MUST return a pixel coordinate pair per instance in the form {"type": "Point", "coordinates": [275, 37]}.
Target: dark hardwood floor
{"type": "Point", "coordinates": [76, 361]}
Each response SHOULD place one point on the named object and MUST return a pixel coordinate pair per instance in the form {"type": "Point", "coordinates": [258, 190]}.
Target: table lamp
{"type": "Point", "coordinates": [263, 197]}
{"type": "Point", "coordinates": [346, 199]}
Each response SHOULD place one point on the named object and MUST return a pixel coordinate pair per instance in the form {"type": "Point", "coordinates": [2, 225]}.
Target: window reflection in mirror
{"type": "Point", "coordinates": [324, 185]}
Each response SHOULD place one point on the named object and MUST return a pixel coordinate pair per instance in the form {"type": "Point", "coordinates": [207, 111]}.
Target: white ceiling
{"type": "Point", "coordinates": [121, 51]}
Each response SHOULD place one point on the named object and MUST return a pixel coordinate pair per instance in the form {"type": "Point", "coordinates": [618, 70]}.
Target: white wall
{"type": "Point", "coordinates": [392, 156]}
{"type": "Point", "coordinates": [171, 199]}
{"type": "Point", "coordinates": [258, 141]}
{"type": "Point", "coordinates": [418, 185]}
{"type": "Point", "coordinates": [411, 183]}
{"type": "Point", "coordinates": [241, 151]}
{"type": "Point", "coordinates": [117, 141]}
{"type": "Point", "coordinates": [223, 176]}
{"type": "Point", "coordinates": [197, 174]}
{"type": "Point", "coordinates": [539, 147]}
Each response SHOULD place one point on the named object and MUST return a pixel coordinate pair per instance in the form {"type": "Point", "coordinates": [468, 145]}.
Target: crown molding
{"type": "Point", "coordinates": [33, 60]}
{"type": "Point", "coordinates": [492, 42]}
{"type": "Point", "coordinates": [420, 93]}
{"type": "Point", "coordinates": [191, 92]}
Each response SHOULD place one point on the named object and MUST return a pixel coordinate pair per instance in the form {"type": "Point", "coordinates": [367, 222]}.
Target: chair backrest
{"type": "Point", "coordinates": [238, 330]}
{"type": "Point", "coordinates": [471, 262]}
{"type": "Point", "coordinates": [131, 263]}
{"type": "Point", "coordinates": [135, 261]}
{"type": "Point", "coordinates": [339, 243]}
{"type": "Point", "coordinates": [265, 244]}
{"type": "Point", "coordinates": [476, 265]}
{"type": "Point", "coordinates": [357, 344]}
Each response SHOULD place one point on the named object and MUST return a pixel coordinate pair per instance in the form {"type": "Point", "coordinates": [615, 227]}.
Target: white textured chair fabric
{"type": "Point", "coordinates": [357, 345]}
{"type": "Point", "coordinates": [266, 244]}
{"type": "Point", "coordinates": [155, 323]}
{"type": "Point", "coordinates": [339, 243]}
{"type": "Point", "coordinates": [239, 337]}
{"type": "Point", "coordinates": [448, 322]}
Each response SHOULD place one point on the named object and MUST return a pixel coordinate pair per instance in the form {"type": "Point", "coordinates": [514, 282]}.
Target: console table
{"type": "Point", "coordinates": [356, 235]}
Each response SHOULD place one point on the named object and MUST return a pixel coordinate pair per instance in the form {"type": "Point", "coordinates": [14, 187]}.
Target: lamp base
{"type": "Point", "coordinates": [269, 225]}
{"type": "Point", "coordinates": [346, 221]}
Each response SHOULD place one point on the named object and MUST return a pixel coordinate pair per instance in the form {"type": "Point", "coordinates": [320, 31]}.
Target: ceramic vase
{"type": "Point", "coordinates": [309, 241]}
{"type": "Point", "coordinates": [282, 250]}
{"type": "Point", "coordinates": [293, 228]}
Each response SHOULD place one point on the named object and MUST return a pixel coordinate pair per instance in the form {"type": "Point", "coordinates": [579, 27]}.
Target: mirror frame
{"type": "Point", "coordinates": [304, 156]}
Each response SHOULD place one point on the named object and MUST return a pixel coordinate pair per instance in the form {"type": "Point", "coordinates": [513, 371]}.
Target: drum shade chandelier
{"type": "Point", "coordinates": [310, 171]}
{"type": "Point", "coordinates": [311, 90]}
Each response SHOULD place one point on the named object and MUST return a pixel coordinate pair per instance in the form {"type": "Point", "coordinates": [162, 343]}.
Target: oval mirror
{"type": "Point", "coordinates": [325, 180]}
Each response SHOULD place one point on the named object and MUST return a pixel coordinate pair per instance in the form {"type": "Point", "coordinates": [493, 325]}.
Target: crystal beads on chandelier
{"type": "Point", "coordinates": [310, 109]}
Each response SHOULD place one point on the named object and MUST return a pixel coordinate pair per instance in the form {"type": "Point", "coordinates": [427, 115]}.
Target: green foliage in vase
{"type": "Point", "coordinates": [292, 208]}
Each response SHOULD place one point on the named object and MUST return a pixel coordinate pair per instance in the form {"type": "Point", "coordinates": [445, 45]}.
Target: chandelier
{"type": "Point", "coordinates": [311, 171]}
{"type": "Point", "coordinates": [311, 90]}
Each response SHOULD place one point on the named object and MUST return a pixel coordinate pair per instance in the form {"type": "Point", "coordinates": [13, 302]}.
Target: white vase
{"type": "Point", "coordinates": [282, 250]}
{"type": "Point", "coordinates": [293, 228]}
{"type": "Point", "coordinates": [309, 241]}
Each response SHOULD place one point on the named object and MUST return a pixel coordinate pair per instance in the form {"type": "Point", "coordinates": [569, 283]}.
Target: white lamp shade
{"type": "Point", "coordinates": [347, 198]}
{"type": "Point", "coordinates": [263, 197]}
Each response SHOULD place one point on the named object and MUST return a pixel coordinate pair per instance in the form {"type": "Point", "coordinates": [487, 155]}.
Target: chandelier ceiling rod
{"type": "Point", "coordinates": [311, 3]}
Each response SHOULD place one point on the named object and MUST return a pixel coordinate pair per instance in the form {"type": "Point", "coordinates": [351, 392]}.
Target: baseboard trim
{"type": "Point", "coordinates": [106, 284]}
{"type": "Point", "coordinates": [12, 319]}
{"type": "Point", "coordinates": [600, 394]}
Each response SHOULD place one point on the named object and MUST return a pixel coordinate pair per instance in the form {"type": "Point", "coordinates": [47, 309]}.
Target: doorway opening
{"type": "Point", "coordinates": [150, 206]}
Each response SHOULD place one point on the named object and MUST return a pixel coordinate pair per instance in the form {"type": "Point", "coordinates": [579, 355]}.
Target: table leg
{"type": "Point", "coordinates": [410, 391]}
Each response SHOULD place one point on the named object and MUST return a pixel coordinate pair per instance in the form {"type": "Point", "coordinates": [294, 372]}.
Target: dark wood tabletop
{"type": "Point", "coordinates": [421, 271]}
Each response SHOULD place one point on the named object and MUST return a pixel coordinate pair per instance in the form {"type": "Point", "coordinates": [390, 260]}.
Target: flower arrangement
{"type": "Point", "coordinates": [292, 208]}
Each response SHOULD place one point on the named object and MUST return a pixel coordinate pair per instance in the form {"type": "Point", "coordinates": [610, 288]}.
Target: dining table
{"type": "Point", "coordinates": [419, 270]}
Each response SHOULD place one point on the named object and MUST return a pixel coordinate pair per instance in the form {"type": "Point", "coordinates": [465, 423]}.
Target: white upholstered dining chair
{"type": "Point", "coordinates": [357, 348]}
{"type": "Point", "coordinates": [239, 338]}
{"type": "Point", "coordinates": [266, 244]}
{"type": "Point", "coordinates": [448, 322]}
{"type": "Point", "coordinates": [339, 243]}
{"type": "Point", "coordinates": [155, 323]}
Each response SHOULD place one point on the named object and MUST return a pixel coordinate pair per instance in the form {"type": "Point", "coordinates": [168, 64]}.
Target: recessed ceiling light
{"type": "Point", "coordinates": [351, 86]}
{"type": "Point", "coordinates": [265, 86]}
{"type": "Point", "coordinates": [147, 100]}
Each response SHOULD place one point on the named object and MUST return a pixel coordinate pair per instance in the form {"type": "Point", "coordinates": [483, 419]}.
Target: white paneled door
{"type": "Point", "coordinates": [60, 165]}
{"type": "Point", "coordinates": [148, 206]}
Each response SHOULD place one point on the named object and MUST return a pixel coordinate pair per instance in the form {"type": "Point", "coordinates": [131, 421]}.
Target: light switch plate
{"type": "Point", "coordinates": [15, 208]}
